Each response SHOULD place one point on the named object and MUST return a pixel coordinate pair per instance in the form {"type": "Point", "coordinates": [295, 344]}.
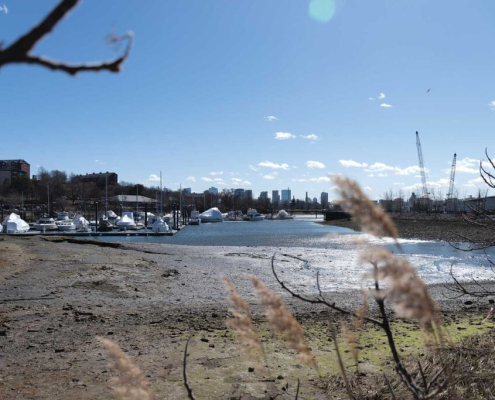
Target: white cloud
{"type": "Point", "coordinates": [368, 188]}
{"type": "Point", "coordinates": [386, 105]}
{"type": "Point", "coordinates": [315, 164]}
{"type": "Point", "coordinates": [311, 137]}
{"type": "Point", "coordinates": [154, 178]}
{"type": "Point", "coordinates": [321, 179]}
{"type": "Point", "coordinates": [253, 168]}
{"type": "Point", "coordinates": [271, 118]}
{"type": "Point", "coordinates": [352, 163]}
{"type": "Point", "coordinates": [379, 167]}
{"type": "Point", "coordinates": [216, 173]}
{"type": "Point", "coordinates": [271, 175]}
{"type": "Point", "coordinates": [474, 182]}
{"type": "Point", "coordinates": [206, 179]}
{"type": "Point", "coordinates": [491, 104]}
{"type": "Point", "coordinates": [100, 162]}
{"type": "Point", "coordinates": [411, 170]}
{"type": "Point", "coordinates": [284, 135]}
{"type": "Point", "coordinates": [466, 165]}
{"type": "Point", "coordinates": [382, 175]}
{"type": "Point", "coordinates": [191, 179]}
{"type": "Point", "coordinates": [240, 182]}
{"type": "Point", "coordinates": [4, 9]}
{"type": "Point", "coordinates": [372, 98]}
{"type": "Point", "coordinates": [398, 183]}
{"type": "Point", "coordinates": [299, 180]}
{"type": "Point", "coordinates": [269, 164]}
{"type": "Point", "coordinates": [381, 96]}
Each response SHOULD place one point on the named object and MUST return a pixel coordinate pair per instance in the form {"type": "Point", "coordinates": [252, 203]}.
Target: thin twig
{"type": "Point", "coordinates": [341, 366]}
{"type": "Point", "coordinates": [297, 390]}
{"type": "Point", "coordinates": [184, 372]}
{"type": "Point", "coordinates": [390, 387]}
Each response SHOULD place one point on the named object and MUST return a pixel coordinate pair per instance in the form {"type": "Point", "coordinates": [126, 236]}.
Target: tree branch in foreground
{"type": "Point", "coordinates": [184, 372]}
{"type": "Point", "coordinates": [19, 51]}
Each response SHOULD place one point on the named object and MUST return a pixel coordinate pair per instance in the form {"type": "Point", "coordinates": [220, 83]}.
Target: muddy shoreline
{"type": "Point", "coordinates": [57, 297]}
{"type": "Point", "coordinates": [433, 228]}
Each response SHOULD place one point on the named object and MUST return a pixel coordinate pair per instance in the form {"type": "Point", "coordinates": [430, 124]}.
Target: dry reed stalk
{"type": "Point", "coordinates": [243, 325]}
{"type": "Point", "coordinates": [284, 322]}
{"type": "Point", "coordinates": [372, 219]}
{"type": "Point", "coordinates": [406, 289]}
{"type": "Point", "coordinates": [353, 337]}
{"type": "Point", "coordinates": [131, 384]}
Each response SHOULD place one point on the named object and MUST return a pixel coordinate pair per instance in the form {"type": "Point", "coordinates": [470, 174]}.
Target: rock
{"type": "Point", "coordinates": [205, 340]}
{"type": "Point", "coordinates": [280, 377]}
{"type": "Point", "coordinates": [468, 302]}
{"type": "Point", "coordinates": [250, 369]}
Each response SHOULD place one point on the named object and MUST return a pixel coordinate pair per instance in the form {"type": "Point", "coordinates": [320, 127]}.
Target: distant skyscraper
{"type": "Point", "coordinates": [324, 199]}
{"type": "Point", "coordinates": [263, 196]}
{"type": "Point", "coordinates": [315, 200]}
{"type": "Point", "coordinates": [239, 193]}
{"type": "Point", "coordinates": [286, 195]}
{"type": "Point", "coordinates": [248, 194]}
{"type": "Point", "coordinates": [275, 197]}
{"type": "Point", "coordinates": [187, 190]}
{"type": "Point", "coordinates": [213, 190]}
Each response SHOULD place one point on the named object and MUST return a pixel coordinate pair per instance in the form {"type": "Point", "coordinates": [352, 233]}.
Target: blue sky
{"type": "Point", "coordinates": [204, 75]}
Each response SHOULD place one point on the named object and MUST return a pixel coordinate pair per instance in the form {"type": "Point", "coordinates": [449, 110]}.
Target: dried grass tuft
{"type": "Point", "coordinates": [372, 219]}
{"type": "Point", "coordinates": [284, 322]}
{"type": "Point", "coordinates": [405, 288]}
{"type": "Point", "coordinates": [243, 325]}
{"type": "Point", "coordinates": [131, 384]}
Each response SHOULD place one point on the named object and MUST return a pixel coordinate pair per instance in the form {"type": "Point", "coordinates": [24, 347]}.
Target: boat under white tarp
{"type": "Point", "coordinates": [159, 226]}
{"type": "Point", "coordinates": [80, 222]}
{"type": "Point", "coordinates": [282, 214]}
{"type": "Point", "coordinates": [14, 224]}
{"type": "Point", "coordinates": [127, 221]}
{"type": "Point", "coordinates": [211, 215]}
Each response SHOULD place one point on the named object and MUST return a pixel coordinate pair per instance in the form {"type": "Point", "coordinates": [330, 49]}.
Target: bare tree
{"type": "Point", "coordinates": [19, 52]}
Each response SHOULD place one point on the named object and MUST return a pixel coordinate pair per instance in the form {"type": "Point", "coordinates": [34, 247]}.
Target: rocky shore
{"type": "Point", "coordinates": [57, 297]}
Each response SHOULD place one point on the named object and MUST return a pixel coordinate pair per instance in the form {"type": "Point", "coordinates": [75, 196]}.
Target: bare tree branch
{"type": "Point", "coordinates": [19, 51]}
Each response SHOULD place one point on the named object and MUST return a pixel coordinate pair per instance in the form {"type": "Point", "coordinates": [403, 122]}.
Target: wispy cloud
{"type": "Point", "coordinates": [352, 163]}
{"type": "Point", "coordinates": [100, 162]}
{"type": "Point", "coordinates": [191, 179]}
{"type": "Point", "coordinates": [271, 175]}
{"type": "Point", "coordinates": [372, 98]}
{"type": "Point", "coordinates": [491, 104]}
{"type": "Point", "coordinates": [315, 164]}
{"type": "Point", "coordinates": [379, 167]}
{"type": "Point", "coordinates": [386, 105]}
{"type": "Point", "coordinates": [284, 135]}
{"type": "Point", "coordinates": [271, 118]}
{"type": "Point", "coordinates": [240, 182]}
{"type": "Point", "coordinates": [216, 173]}
{"type": "Point", "coordinates": [154, 178]}
{"type": "Point", "coordinates": [466, 165]}
{"type": "Point", "coordinates": [311, 137]}
{"type": "Point", "coordinates": [474, 182]}
{"type": "Point", "coordinates": [381, 96]}
{"type": "Point", "coordinates": [321, 179]}
{"type": "Point", "coordinates": [269, 164]}
{"type": "Point", "coordinates": [253, 168]}
{"type": "Point", "coordinates": [3, 8]}
{"type": "Point", "coordinates": [368, 188]}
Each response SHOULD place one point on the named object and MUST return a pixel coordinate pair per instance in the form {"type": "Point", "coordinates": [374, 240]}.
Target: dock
{"type": "Point", "coordinates": [91, 234]}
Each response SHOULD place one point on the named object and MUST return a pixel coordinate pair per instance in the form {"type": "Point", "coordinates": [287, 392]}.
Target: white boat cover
{"type": "Point", "coordinates": [80, 222]}
{"type": "Point", "coordinates": [11, 217]}
{"type": "Point", "coordinates": [17, 226]}
{"type": "Point", "coordinates": [282, 214]}
{"type": "Point", "coordinates": [127, 219]}
{"type": "Point", "coordinates": [211, 215]}
{"type": "Point", "coordinates": [159, 226]}
{"type": "Point", "coordinates": [111, 214]}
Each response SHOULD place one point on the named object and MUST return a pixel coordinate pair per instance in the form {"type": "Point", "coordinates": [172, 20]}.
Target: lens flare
{"type": "Point", "coordinates": [322, 10]}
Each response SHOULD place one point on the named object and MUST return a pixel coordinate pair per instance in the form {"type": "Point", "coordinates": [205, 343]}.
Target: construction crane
{"type": "Point", "coordinates": [422, 167]}
{"type": "Point", "coordinates": [452, 178]}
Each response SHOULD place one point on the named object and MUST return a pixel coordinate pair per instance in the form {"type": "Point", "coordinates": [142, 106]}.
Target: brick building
{"type": "Point", "coordinates": [10, 169]}
{"type": "Point", "coordinates": [100, 177]}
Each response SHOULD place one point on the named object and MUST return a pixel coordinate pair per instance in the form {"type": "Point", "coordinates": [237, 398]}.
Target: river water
{"type": "Point", "coordinates": [332, 250]}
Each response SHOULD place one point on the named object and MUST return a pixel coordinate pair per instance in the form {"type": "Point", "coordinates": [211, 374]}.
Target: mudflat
{"type": "Point", "coordinates": [58, 296]}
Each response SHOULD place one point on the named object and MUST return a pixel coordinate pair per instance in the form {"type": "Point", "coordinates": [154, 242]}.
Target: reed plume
{"type": "Point", "coordinates": [353, 337]}
{"type": "Point", "coordinates": [371, 218]}
{"type": "Point", "coordinates": [131, 384]}
{"type": "Point", "coordinates": [405, 288]}
{"type": "Point", "coordinates": [243, 324]}
{"type": "Point", "coordinates": [284, 322]}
